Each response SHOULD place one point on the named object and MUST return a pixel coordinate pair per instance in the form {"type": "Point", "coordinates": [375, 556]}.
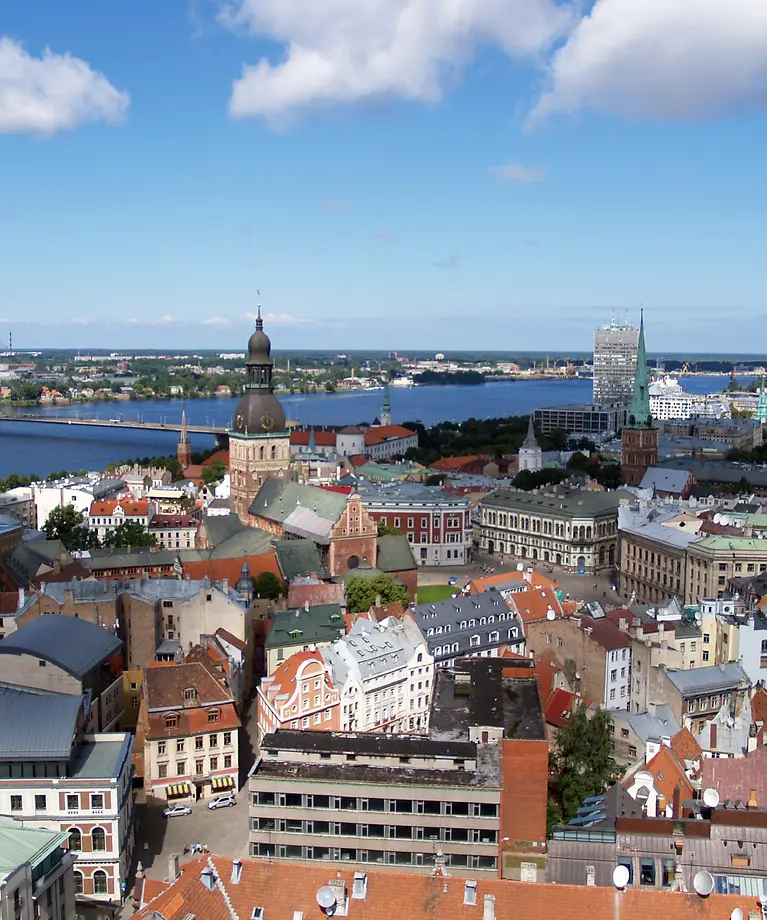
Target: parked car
{"type": "Point", "coordinates": [176, 810]}
{"type": "Point", "coordinates": [223, 801]}
{"type": "Point", "coordinates": [452, 580]}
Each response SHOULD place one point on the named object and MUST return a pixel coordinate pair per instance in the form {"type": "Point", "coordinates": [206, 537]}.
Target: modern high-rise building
{"type": "Point", "coordinates": [615, 358]}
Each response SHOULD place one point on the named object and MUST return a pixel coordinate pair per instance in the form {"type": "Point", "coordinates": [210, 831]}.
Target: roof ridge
{"type": "Point", "coordinates": [222, 888]}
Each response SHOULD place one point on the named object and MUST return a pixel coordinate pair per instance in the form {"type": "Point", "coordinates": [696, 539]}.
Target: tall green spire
{"type": "Point", "coordinates": [386, 408]}
{"type": "Point", "coordinates": [761, 408]}
{"type": "Point", "coordinates": [639, 411]}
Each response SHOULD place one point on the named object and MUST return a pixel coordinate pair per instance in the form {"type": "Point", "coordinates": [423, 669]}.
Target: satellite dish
{"type": "Point", "coordinates": [577, 675]}
{"type": "Point", "coordinates": [717, 517]}
{"type": "Point", "coordinates": [620, 877]}
{"type": "Point", "coordinates": [326, 898]}
{"type": "Point", "coordinates": [550, 615]}
{"type": "Point", "coordinates": [520, 567]}
{"type": "Point", "coordinates": [710, 798]}
{"type": "Point", "coordinates": [737, 914]}
{"type": "Point", "coordinates": [703, 883]}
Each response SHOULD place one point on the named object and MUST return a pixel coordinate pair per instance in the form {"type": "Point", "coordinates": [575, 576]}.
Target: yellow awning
{"type": "Point", "coordinates": [177, 789]}
{"type": "Point", "coordinates": [221, 782]}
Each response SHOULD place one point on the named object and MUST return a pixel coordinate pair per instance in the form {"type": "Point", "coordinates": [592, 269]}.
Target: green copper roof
{"type": "Point", "coordinates": [761, 408]}
{"type": "Point", "coordinates": [639, 411]}
{"type": "Point", "coordinates": [386, 399]}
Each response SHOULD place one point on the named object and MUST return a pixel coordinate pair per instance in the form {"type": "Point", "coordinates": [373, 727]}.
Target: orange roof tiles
{"type": "Point", "coordinates": [685, 747]}
{"type": "Point", "coordinates": [220, 456]}
{"type": "Point", "coordinates": [131, 507]}
{"type": "Point", "coordinates": [535, 604]}
{"type": "Point", "coordinates": [668, 774]}
{"type": "Point", "coordinates": [382, 433]}
{"type": "Point", "coordinates": [285, 889]}
{"type": "Point", "coordinates": [447, 464]}
{"type": "Point", "coordinates": [737, 778]}
{"type": "Point", "coordinates": [321, 438]}
{"type": "Point", "coordinates": [759, 713]}
{"type": "Point", "coordinates": [560, 705]}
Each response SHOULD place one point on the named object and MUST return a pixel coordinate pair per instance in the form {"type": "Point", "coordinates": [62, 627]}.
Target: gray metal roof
{"type": "Point", "coordinates": [372, 649]}
{"type": "Point", "coordinates": [409, 493]}
{"type": "Point", "coordinates": [447, 616]}
{"type": "Point", "coordinates": [37, 726]}
{"type": "Point", "coordinates": [562, 500]}
{"type": "Point", "coordinates": [83, 592]}
{"type": "Point", "coordinates": [73, 644]}
{"type": "Point", "coordinates": [649, 727]}
{"type": "Point", "coordinates": [705, 680]}
{"type": "Point", "coordinates": [662, 479]}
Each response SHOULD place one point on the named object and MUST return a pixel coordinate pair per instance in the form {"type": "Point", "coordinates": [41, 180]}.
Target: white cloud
{"type": "Point", "coordinates": [280, 319]}
{"type": "Point", "coordinates": [216, 321]}
{"type": "Point", "coordinates": [669, 59]}
{"type": "Point", "coordinates": [80, 321]}
{"type": "Point", "coordinates": [165, 320]}
{"type": "Point", "coordinates": [352, 50]}
{"type": "Point", "coordinates": [55, 92]}
{"type": "Point", "coordinates": [516, 172]}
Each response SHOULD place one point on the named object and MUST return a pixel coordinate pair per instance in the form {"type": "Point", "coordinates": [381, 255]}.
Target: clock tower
{"type": "Point", "coordinates": [259, 442]}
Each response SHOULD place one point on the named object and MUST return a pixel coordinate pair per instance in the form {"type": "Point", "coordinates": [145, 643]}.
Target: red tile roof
{"type": "Point", "coordinates": [685, 747]}
{"type": "Point", "coordinates": [220, 569]}
{"type": "Point", "coordinates": [164, 692]}
{"type": "Point", "coordinates": [735, 778]}
{"type": "Point", "coordinates": [606, 633]}
{"type": "Point", "coordinates": [220, 456]}
{"type": "Point", "coordinates": [668, 774]}
{"type": "Point", "coordinates": [286, 890]}
{"type": "Point", "coordinates": [448, 464]}
{"type": "Point", "coordinates": [382, 433]}
{"type": "Point", "coordinates": [321, 438]}
{"type": "Point", "coordinates": [131, 507]}
{"type": "Point", "coordinates": [560, 705]}
{"type": "Point", "coordinates": [9, 602]}
{"type": "Point", "coordinates": [535, 604]}
{"type": "Point", "coordinates": [316, 595]}
{"type": "Point", "coordinates": [759, 713]}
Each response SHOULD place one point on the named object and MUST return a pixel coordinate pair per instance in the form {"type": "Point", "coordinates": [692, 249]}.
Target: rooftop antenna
{"type": "Point", "coordinates": [10, 344]}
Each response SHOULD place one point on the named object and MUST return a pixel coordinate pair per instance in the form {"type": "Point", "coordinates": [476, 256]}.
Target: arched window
{"type": "Point", "coordinates": [98, 839]}
{"type": "Point", "coordinates": [99, 882]}
{"type": "Point", "coordinates": [75, 838]}
{"type": "Point", "coordinates": [420, 657]}
{"type": "Point", "coordinates": [274, 451]}
{"type": "Point", "coordinates": [78, 882]}
{"type": "Point", "coordinates": [261, 452]}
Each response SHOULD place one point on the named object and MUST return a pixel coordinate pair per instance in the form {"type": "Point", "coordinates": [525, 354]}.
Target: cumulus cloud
{"type": "Point", "coordinates": [55, 92]}
{"type": "Point", "coordinates": [216, 321]}
{"type": "Point", "coordinates": [164, 320]}
{"type": "Point", "coordinates": [516, 172]}
{"type": "Point", "coordinates": [668, 59]}
{"type": "Point", "coordinates": [354, 50]}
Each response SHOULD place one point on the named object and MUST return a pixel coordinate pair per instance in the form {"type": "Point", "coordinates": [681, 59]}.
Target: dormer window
{"type": "Point", "coordinates": [171, 720]}
{"type": "Point", "coordinates": [214, 715]}
{"type": "Point", "coordinates": [294, 633]}
{"type": "Point", "coordinates": [190, 695]}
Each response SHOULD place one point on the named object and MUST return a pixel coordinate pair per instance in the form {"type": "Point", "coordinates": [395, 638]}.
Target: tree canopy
{"type": "Point", "coordinates": [66, 523]}
{"type": "Point", "coordinates": [129, 533]}
{"type": "Point", "coordinates": [267, 585]}
{"type": "Point", "coordinates": [582, 761]}
{"type": "Point", "coordinates": [361, 593]}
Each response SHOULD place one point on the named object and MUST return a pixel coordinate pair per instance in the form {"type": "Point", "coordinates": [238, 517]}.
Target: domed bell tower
{"type": "Point", "coordinates": [259, 442]}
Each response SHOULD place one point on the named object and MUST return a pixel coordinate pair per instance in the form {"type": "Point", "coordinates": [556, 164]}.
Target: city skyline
{"type": "Point", "coordinates": [515, 176]}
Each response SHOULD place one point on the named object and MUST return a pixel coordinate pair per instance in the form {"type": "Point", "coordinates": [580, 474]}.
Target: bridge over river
{"type": "Point", "coordinates": [218, 432]}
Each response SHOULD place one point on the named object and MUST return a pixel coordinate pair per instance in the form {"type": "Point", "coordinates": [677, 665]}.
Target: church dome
{"type": "Point", "coordinates": [259, 346]}
{"type": "Point", "coordinates": [259, 412]}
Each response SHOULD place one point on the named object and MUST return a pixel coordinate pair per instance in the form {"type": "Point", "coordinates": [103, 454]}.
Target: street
{"type": "Point", "coordinates": [223, 830]}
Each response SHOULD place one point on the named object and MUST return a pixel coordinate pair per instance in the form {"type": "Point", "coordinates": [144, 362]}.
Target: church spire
{"type": "Point", "coordinates": [761, 409]}
{"type": "Point", "coordinates": [639, 411]}
{"type": "Point", "coordinates": [184, 449]}
{"type": "Point", "coordinates": [530, 440]}
{"type": "Point", "coordinates": [386, 408]}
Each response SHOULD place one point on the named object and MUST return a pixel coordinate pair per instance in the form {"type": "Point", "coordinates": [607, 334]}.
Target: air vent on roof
{"type": "Point", "coordinates": [470, 893]}
{"type": "Point", "coordinates": [360, 886]}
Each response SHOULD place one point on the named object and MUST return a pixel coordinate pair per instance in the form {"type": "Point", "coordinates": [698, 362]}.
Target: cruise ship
{"type": "Point", "coordinates": [669, 401]}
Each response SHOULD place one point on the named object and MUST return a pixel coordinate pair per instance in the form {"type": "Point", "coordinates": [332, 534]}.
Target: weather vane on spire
{"type": "Point", "coordinates": [258, 294]}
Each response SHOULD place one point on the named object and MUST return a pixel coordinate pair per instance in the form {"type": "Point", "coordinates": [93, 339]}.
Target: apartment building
{"type": "Point", "coordinates": [437, 524]}
{"type": "Point", "coordinates": [615, 358]}
{"type": "Point", "coordinates": [108, 514]}
{"type": "Point", "coordinates": [382, 442]}
{"type": "Point", "coordinates": [78, 491]}
{"type": "Point", "coordinates": [594, 654]}
{"type": "Point", "coordinates": [388, 801]}
{"type": "Point", "coordinates": [36, 879]}
{"type": "Point", "coordinates": [480, 625]}
{"type": "Point", "coordinates": [300, 630]}
{"type": "Point", "coordinates": [384, 673]}
{"type": "Point", "coordinates": [299, 694]}
{"type": "Point", "coordinates": [189, 728]}
{"type": "Point", "coordinates": [714, 560]}
{"type": "Point", "coordinates": [20, 504]}
{"type": "Point", "coordinates": [62, 654]}
{"type": "Point", "coordinates": [572, 527]}
{"type": "Point", "coordinates": [175, 531]}
{"type": "Point", "coordinates": [94, 601]}
{"type": "Point", "coordinates": [697, 695]}
{"type": "Point", "coordinates": [55, 776]}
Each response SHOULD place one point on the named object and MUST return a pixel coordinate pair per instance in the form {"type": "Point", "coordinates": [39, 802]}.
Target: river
{"type": "Point", "coordinates": [29, 448]}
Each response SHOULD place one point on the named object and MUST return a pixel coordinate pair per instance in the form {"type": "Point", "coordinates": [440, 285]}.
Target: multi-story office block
{"type": "Point", "coordinates": [615, 358]}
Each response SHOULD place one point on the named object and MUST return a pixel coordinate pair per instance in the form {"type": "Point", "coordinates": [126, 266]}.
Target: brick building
{"type": "Point", "coordinates": [437, 524]}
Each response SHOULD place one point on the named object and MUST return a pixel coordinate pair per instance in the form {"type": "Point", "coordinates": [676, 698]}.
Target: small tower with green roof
{"type": "Point", "coordinates": [761, 409]}
{"type": "Point", "coordinates": [639, 438]}
{"type": "Point", "coordinates": [386, 407]}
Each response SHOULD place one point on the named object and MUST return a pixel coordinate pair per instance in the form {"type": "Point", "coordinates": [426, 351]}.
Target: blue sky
{"type": "Point", "coordinates": [390, 174]}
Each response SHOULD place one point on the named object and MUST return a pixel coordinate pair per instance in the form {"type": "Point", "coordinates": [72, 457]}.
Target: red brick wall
{"type": "Point", "coordinates": [524, 793]}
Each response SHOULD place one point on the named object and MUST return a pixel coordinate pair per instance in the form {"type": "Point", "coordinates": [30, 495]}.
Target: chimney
{"type": "Point", "coordinates": [236, 871]}
{"type": "Point", "coordinates": [712, 744]}
{"type": "Point", "coordinates": [172, 867]}
{"type": "Point", "coordinates": [208, 878]}
{"type": "Point", "coordinates": [640, 632]}
{"type": "Point", "coordinates": [662, 805]}
{"type": "Point", "coordinates": [623, 624]}
{"type": "Point", "coordinates": [677, 803]}
{"type": "Point", "coordinates": [752, 801]}
{"type": "Point", "coordinates": [378, 600]}
{"type": "Point", "coordinates": [488, 912]}
{"type": "Point", "coordinates": [225, 585]}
